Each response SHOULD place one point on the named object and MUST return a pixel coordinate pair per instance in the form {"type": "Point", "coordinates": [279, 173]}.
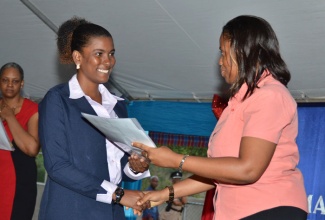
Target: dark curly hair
{"type": "Point", "coordinates": [74, 34]}
{"type": "Point", "coordinates": [257, 49]}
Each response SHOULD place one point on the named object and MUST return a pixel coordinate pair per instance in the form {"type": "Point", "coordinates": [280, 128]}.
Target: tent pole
{"type": "Point", "coordinates": [40, 15]}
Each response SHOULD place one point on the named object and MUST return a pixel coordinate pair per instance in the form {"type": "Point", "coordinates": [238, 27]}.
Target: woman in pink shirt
{"type": "Point", "coordinates": [252, 156]}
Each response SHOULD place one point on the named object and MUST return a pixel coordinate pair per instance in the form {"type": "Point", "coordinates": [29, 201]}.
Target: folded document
{"type": "Point", "coordinates": [121, 131]}
{"type": "Point", "coordinates": [5, 144]}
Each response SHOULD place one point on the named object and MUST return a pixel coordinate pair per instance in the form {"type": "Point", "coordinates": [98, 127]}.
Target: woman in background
{"type": "Point", "coordinates": [253, 155]}
{"type": "Point", "coordinates": [18, 173]}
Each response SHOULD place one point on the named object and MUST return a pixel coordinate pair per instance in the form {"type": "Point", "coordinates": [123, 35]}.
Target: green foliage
{"type": "Point", "coordinates": [193, 151]}
{"type": "Point", "coordinates": [40, 168]}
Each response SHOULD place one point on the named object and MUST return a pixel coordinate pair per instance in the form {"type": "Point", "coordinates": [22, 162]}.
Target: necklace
{"type": "Point", "coordinates": [5, 104]}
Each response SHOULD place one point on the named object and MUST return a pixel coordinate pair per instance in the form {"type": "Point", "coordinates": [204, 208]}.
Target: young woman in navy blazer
{"type": "Point", "coordinates": [84, 169]}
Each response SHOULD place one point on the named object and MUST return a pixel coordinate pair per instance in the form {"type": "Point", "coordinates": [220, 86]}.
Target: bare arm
{"type": "Point", "coordinates": [184, 200]}
{"type": "Point", "coordinates": [27, 141]}
{"type": "Point", "coordinates": [192, 185]}
{"type": "Point", "coordinates": [254, 156]}
{"type": "Point", "coordinates": [180, 201]}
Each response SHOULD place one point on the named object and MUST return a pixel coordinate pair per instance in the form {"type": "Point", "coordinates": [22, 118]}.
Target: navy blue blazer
{"type": "Point", "coordinates": [75, 159]}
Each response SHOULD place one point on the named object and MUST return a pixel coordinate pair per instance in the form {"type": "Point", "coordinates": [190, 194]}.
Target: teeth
{"type": "Point", "coordinates": [102, 71]}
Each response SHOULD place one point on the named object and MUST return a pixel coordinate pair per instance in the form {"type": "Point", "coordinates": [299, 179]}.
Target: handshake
{"type": "Point", "coordinates": [140, 200]}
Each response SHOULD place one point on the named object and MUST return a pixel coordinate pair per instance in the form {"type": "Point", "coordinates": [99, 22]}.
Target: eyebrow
{"type": "Point", "coordinates": [101, 50]}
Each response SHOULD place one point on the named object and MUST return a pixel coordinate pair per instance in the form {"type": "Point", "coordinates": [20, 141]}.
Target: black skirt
{"type": "Point", "coordinates": [279, 213]}
{"type": "Point", "coordinates": [26, 188]}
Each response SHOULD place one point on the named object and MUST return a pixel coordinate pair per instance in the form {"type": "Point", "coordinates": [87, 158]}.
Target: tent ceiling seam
{"type": "Point", "coordinates": [177, 24]}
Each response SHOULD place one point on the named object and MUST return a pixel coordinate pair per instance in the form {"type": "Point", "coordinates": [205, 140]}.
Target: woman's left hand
{"type": "Point", "coordinates": [138, 163]}
{"type": "Point", "coordinates": [162, 156]}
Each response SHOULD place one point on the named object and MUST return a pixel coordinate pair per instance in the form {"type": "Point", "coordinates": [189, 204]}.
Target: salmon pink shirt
{"type": "Point", "coordinates": [270, 113]}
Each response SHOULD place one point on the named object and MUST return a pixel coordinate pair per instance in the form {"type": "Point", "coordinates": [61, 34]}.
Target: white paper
{"type": "Point", "coordinates": [121, 130]}
{"type": "Point", "coordinates": [5, 144]}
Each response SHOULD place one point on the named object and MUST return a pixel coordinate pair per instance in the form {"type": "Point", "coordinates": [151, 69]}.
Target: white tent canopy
{"type": "Point", "coordinates": [165, 49]}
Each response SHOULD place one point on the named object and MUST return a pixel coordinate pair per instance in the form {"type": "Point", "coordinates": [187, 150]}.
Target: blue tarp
{"type": "Point", "coordinates": [311, 143]}
{"type": "Point", "coordinates": [190, 118]}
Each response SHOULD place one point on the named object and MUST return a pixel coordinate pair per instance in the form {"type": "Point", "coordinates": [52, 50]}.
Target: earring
{"type": "Point", "coordinates": [78, 66]}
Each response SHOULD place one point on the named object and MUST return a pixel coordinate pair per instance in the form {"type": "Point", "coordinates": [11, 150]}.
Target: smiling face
{"type": "Point", "coordinates": [227, 61]}
{"type": "Point", "coordinates": [96, 61]}
{"type": "Point", "coordinates": [11, 82]}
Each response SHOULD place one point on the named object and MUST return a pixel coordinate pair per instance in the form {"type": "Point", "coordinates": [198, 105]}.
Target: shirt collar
{"type": "Point", "coordinates": [76, 92]}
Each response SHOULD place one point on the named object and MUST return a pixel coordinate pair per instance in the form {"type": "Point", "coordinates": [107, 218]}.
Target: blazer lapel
{"type": "Point", "coordinates": [83, 105]}
{"type": "Point", "coordinates": [120, 109]}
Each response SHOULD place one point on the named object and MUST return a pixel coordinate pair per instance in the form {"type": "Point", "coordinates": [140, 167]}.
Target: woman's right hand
{"type": "Point", "coordinates": [155, 198]}
{"type": "Point", "coordinates": [131, 198]}
{"type": "Point", "coordinates": [6, 112]}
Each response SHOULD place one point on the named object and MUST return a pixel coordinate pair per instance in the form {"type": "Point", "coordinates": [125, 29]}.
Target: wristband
{"type": "Point", "coordinates": [171, 194]}
{"type": "Point", "coordinates": [181, 163]}
{"type": "Point", "coordinates": [119, 193]}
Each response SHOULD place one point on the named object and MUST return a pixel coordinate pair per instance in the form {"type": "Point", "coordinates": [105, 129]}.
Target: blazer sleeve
{"type": "Point", "coordinates": [58, 160]}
